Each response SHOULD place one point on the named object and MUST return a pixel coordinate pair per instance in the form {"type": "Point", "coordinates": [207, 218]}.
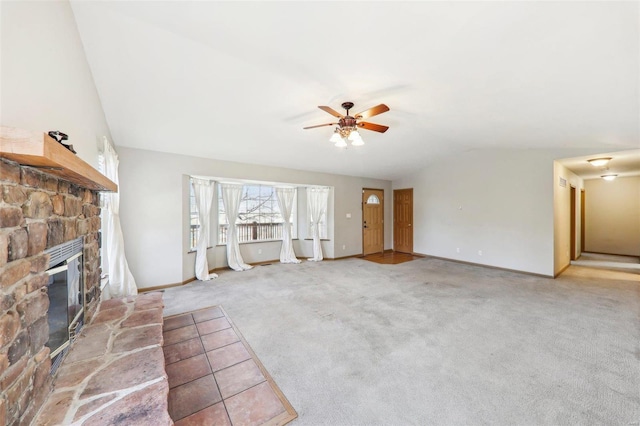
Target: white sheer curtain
{"type": "Point", "coordinates": [121, 281]}
{"type": "Point", "coordinates": [231, 196]}
{"type": "Point", "coordinates": [317, 200]}
{"type": "Point", "coordinates": [203, 190]}
{"type": "Point", "coordinates": [285, 202]}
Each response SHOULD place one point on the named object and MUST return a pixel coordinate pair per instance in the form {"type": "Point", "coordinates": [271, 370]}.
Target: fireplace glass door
{"type": "Point", "coordinates": [66, 296]}
{"type": "Point", "coordinates": [65, 301]}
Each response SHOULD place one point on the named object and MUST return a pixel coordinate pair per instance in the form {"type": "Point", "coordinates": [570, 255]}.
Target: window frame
{"type": "Point", "coordinates": [324, 220]}
{"type": "Point", "coordinates": [193, 214]}
{"type": "Point", "coordinates": [222, 219]}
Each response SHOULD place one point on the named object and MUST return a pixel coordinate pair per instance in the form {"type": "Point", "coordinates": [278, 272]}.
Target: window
{"type": "Point", "coordinates": [259, 217]}
{"type": "Point", "coordinates": [373, 199]}
{"type": "Point", "coordinates": [194, 221]}
{"type": "Point", "coordinates": [322, 226]}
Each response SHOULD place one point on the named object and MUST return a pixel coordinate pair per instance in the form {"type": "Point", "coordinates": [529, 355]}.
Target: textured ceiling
{"type": "Point", "coordinates": [238, 80]}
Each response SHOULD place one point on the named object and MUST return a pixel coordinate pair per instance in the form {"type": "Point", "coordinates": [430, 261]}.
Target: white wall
{"type": "Point", "coordinates": [562, 215]}
{"type": "Point", "coordinates": [45, 81]}
{"type": "Point", "coordinates": [613, 216]}
{"type": "Point", "coordinates": [154, 213]}
{"type": "Point", "coordinates": [496, 201]}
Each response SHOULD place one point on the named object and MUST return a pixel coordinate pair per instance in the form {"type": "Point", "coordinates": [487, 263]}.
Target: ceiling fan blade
{"type": "Point", "coordinates": [375, 127]}
{"type": "Point", "coordinates": [320, 125]}
{"type": "Point", "coordinates": [331, 111]}
{"type": "Point", "coordinates": [378, 109]}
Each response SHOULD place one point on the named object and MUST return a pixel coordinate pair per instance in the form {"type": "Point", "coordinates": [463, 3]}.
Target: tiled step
{"type": "Point", "coordinates": [215, 377]}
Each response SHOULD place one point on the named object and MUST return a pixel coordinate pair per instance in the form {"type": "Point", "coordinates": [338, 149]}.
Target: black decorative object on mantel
{"type": "Point", "coordinates": [59, 136]}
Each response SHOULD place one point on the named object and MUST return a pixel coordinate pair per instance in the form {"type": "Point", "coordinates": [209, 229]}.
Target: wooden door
{"type": "Point", "coordinates": [372, 221]}
{"type": "Point", "coordinates": [582, 221]}
{"type": "Point", "coordinates": [403, 220]}
{"type": "Point", "coordinates": [572, 224]}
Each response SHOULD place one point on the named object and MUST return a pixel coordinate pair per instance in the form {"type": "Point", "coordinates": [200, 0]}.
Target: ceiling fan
{"type": "Point", "coordinates": [347, 126]}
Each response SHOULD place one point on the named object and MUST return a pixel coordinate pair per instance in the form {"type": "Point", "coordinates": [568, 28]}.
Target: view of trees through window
{"type": "Point", "coordinates": [259, 217]}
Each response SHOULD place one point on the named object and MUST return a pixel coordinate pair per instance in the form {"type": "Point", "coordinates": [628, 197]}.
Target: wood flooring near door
{"type": "Point", "coordinates": [390, 258]}
{"type": "Point", "coordinates": [215, 377]}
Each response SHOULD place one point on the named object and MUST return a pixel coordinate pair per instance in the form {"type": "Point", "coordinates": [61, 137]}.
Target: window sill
{"type": "Point", "coordinates": [194, 250]}
{"type": "Point", "coordinates": [256, 242]}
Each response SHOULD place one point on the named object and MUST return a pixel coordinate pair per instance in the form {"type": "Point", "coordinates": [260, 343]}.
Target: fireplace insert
{"type": "Point", "coordinates": [66, 297]}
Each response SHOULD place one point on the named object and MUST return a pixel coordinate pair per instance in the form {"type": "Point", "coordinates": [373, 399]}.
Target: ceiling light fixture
{"type": "Point", "coordinates": [599, 162]}
{"type": "Point", "coordinates": [344, 134]}
{"type": "Point", "coordinates": [356, 140]}
{"type": "Point", "coordinates": [347, 126]}
{"type": "Point", "coordinates": [609, 177]}
{"type": "Point", "coordinates": [336, 138]}
{"type": "Point", "coordinates": [341, 143]}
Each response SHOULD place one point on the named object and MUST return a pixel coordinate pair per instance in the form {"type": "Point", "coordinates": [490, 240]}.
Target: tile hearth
{"type": "Point", "coordinates": [214, 376]}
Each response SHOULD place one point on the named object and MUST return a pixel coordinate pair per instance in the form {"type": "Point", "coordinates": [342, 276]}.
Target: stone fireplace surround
{"type": "Point", "coordinates": [121, 343]}
{"type": "Point", "coordinates": [37, 211]}
{"type": "Point", "coordinates": [49, 196]}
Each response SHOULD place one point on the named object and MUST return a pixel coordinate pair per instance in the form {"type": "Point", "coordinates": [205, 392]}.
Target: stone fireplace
{"type": "Point", "coordinates": [40, 209]}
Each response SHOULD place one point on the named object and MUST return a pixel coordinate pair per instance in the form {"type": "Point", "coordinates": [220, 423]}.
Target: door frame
{"type": "Point", "coordinates": [362, 221]}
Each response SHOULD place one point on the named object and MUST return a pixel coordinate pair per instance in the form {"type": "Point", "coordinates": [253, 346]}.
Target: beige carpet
{"type": "Point", "coordinates": [353, 342]}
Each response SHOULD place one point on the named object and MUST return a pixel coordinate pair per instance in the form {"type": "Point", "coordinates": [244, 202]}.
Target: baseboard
{"type": "Point", "coordinates": [226, 268]}
{"type": "Point", "coordinates": [266, 262]}
{"type": "Point", "coordinates": [187, 281]}
{"type": "Point", "coordinates": [609, 254]}
{"type": "Point", "coordinates": [343, 257]}
{"type": "Point", "coordinates": [561, 271]}
{"type": "Point", "coordinates": [164, 286]}
{"type": "Point", "coordinates": [487, 266]}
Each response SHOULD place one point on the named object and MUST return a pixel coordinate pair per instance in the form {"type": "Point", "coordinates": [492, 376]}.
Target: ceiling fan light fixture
{"type": "Point", "coordinates": [356, 139]}
{"type": "Point", "coordinates": [347, 125]}
{"type": "Point", "coordinates": [335, 138]}
{"type": "Point", "coordinates": [609, 177]}
{"type": "Point", "coordinates": [599, 162]}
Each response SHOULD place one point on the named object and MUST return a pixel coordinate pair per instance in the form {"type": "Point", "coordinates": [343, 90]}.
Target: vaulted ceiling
{"type": "Point", "coordinates": [238, 81]}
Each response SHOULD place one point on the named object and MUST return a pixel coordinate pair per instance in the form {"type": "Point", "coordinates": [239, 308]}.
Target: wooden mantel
{"type": "Point", "coordinates": [39, 150]}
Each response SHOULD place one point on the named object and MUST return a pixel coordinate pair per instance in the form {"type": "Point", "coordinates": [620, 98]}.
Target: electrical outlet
{"type": "Point", "coordinates": [458, 250]}
{"type": "Point", "coordinates": [344, 247]}
{"type": "Point", "coordinates": [479, 252]}
{"type": "Point", "coordinates": [259, 251]}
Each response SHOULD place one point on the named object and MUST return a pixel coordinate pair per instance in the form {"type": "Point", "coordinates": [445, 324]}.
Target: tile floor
{"type": "Point", "coordinates": [214, 376]}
